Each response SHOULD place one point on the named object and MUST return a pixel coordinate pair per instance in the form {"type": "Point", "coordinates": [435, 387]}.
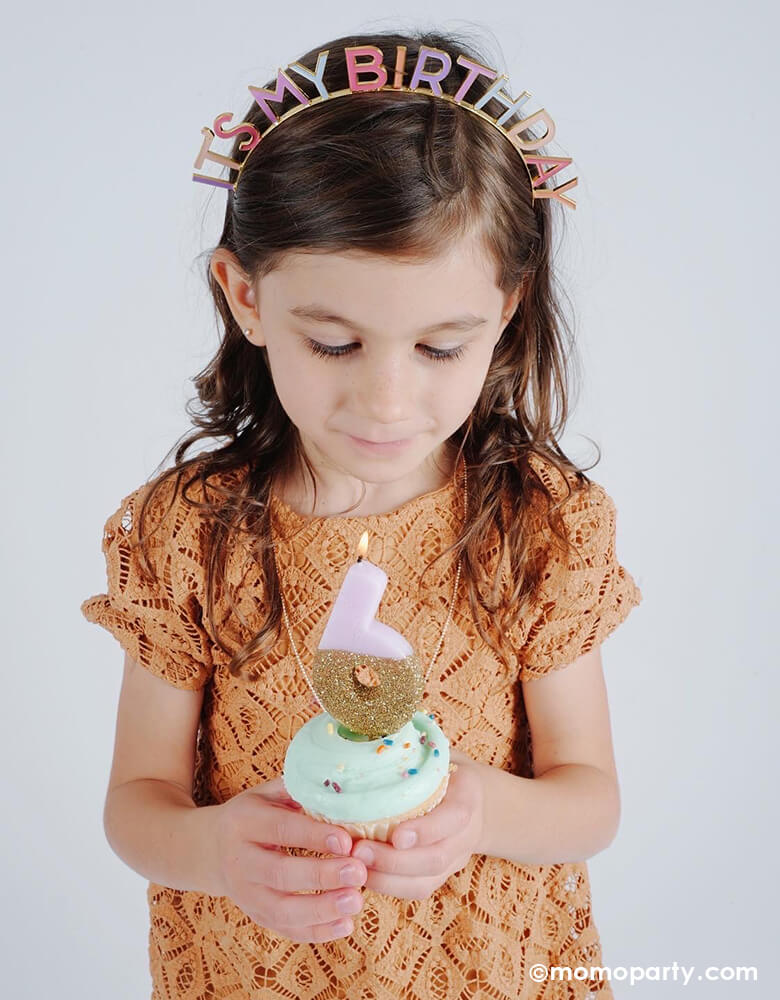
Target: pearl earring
{"type": "Point", "coordinates": [248, 332]}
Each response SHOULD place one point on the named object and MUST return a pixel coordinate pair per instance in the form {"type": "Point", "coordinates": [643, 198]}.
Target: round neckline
{"type": "Point", "coordinates": [287, 514]}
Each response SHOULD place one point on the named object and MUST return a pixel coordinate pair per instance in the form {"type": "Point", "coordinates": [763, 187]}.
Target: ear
{"type": "Point", "coordinates": [511, 302]}
{"type": "Point", "coordinates": [238, 291]}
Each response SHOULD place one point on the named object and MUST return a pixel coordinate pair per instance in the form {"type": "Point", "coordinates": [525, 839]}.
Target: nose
{"type": "Point", "coordinates": [386, 393]}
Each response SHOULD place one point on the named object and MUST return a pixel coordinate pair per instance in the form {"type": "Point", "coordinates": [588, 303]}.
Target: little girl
{"type": "Point", "coordinates": [392, 361]}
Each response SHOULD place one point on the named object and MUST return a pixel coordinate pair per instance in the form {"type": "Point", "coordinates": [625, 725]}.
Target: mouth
{"type": "Point", "coordinates": [380, 446]}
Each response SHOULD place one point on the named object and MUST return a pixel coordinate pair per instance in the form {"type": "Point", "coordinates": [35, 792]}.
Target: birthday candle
{"type": "Point", "coordinates": [352, 625]}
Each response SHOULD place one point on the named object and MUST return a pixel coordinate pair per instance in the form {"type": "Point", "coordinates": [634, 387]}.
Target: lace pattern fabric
{"type": "Point", "coordinates": [478, 934]}
{"type": "Point", "coordinates": [158, 622]}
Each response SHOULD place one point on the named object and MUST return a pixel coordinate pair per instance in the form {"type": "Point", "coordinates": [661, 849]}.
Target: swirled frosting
{"type": "Point", "coordinates": [359, 781]}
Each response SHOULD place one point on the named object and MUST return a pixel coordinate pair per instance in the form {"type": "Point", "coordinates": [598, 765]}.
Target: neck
{"type": "Point", "coordinates": [336, 494]}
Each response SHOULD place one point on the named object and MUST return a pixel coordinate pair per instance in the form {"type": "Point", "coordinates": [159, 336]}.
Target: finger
{"type": "Point", "coordinates": [292, 828]}
{"type": "Point", "coordinates": [449, 818]}
{"type": "Point", "coordinates": [402, 886]}
{"type": "Point", "coordinates": [319, 932]}
{"type": "Point", "coordinates": [429, 860]}
{"type": "Point", "coordinates": [297, 910]}
{"type": "Point", "coordinates": [330, 932]}
{"type": "Point", "coordinates": [287, 873]}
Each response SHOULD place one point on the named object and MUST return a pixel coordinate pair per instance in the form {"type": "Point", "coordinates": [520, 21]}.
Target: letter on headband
{"type": "Point", "coordinates": [422, 81]}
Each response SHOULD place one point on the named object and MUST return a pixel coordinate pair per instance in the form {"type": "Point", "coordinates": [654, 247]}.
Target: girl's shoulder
{"type": "Point", "coordinates": [171, 496]}
{"type": "Point", "coordinates": [584, 592]}
{"type": "Point", "coordinates": [154, 597]}
{"type": "Point", "coordinates": [162, 528]}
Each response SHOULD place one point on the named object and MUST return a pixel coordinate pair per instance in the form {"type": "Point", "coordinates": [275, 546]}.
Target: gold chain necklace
{"type": "Point", "coordinates": [443, 631]}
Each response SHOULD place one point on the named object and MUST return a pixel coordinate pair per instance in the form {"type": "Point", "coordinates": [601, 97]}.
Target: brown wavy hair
{"type": "Point", "coordinates": [397, 175]}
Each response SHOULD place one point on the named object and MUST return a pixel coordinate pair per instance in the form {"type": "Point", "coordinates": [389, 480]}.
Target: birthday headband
{"type": "Point", "coordinates": [544, 166]}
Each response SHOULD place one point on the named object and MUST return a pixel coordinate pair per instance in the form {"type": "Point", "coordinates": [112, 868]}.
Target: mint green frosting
{"type": "Point", "coordinates": [374, 784]}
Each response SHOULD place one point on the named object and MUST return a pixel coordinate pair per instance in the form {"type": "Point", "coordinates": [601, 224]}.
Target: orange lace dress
{"type": "Point", "coordinates": [480, 932]}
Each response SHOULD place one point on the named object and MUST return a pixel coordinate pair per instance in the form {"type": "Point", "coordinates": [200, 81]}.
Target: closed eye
{"type": "Point", "coordinates": [323, 351]}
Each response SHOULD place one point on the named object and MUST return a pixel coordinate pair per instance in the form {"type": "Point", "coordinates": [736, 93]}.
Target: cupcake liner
{"type": "Point", "coordinates": [382, 829]}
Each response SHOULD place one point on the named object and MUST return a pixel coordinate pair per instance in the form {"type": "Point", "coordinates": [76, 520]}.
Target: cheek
{"type": "Point", "coordinates": [300, 383]}
{"type": "Point", "coordinates": [462, 388]}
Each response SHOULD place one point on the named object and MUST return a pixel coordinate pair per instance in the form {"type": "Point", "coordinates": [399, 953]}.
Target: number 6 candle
{"type": "Point", "coordinates": [369, 761]}
{"type": "Point", "coordinates": [366, 674]}
{"type": "Point", "coordinates": [352, 625]}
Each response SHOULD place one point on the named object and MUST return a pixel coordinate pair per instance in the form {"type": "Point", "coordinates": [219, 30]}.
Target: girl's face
{"type": "Point", "coordinates": [364, 348]}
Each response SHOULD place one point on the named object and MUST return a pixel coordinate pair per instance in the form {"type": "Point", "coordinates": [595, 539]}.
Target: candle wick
{"type": "Point", "coordinates": [360, 558]}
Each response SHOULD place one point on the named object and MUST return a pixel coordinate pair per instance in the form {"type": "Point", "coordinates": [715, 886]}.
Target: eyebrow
{"type": "Point", "coordinates": [320, 314]}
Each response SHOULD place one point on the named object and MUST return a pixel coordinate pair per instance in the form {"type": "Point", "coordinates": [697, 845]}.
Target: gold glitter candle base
{"type": "Point", "coordinates": [372, 695]}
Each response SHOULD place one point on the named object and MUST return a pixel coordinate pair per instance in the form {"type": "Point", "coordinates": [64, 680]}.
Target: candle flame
{"type": "Point", "coordinates": [363, 545]}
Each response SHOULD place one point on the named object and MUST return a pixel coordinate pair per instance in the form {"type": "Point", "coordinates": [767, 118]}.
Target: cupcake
{"type": "Point", "coordinates": [370, 760]}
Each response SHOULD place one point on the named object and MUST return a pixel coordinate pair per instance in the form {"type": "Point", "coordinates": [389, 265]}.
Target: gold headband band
{"type": "Point", "coordinates": [426, 82]}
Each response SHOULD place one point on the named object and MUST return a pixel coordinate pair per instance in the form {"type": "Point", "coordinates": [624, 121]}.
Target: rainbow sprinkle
{"type": "Point", "coordinates": [387, 741]}
{"type": "Point", "coordinates": [336, 787]}
{"type": "Point", "coordinates": [330, 729]}
{"type": "Point", "coordinates": [407, 745]}
{"type": "Point", "coordinates": [326, 782]}
{"type": "Point", "coordinates": [381, 747]}
{"type": "Point", "coordinates": [435, 753]}
{"type": "Point", "coordinates": [412, 770]}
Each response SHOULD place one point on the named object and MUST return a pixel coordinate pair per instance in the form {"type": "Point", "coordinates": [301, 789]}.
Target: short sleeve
{"type": "Point", "coordinates": [157, 621]}
{"type": "Point", "coordinates": [580, 602]}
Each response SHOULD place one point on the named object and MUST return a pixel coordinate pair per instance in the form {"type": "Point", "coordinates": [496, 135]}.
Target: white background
{"type": "Point", "coordinates": [669, 110]}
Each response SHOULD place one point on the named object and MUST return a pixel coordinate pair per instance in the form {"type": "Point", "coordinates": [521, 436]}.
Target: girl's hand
{"type": "Point", "coordinates": [446, 838]}
{"type": "Point", "coordinates": [273, 888]}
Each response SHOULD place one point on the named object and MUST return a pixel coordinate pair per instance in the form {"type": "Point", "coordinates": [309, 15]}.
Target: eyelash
{"type": "Point", "coordinates": [334, 352]}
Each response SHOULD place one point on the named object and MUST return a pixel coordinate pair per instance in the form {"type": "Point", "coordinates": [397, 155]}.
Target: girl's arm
{"type": "Point", "coordinates": [150, 819]}
{"type": "Point", "coordinates": [570, 810]}
{"type": "Point", "coordinates": [159, 832]}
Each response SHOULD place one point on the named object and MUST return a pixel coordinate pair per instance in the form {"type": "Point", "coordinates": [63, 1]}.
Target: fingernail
{"type": "Point", "coordinates": [349, 903]}
{"type": "Point", "coordinates": [350, 875]}
{"type": "Point", "coordinates": [364, 854]}
{"type": "Point", "coordinates": [406, 838]}
{"type": "Point", "coordinates": [335, 845]}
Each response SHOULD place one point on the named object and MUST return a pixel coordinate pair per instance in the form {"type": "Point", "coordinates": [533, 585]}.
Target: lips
{"type": "Point", "coordinates": [395, 441]}
{"type": "Point", "coordinates": [380, 446]}
{"type": "Point", "coordinates": [399, 440]}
